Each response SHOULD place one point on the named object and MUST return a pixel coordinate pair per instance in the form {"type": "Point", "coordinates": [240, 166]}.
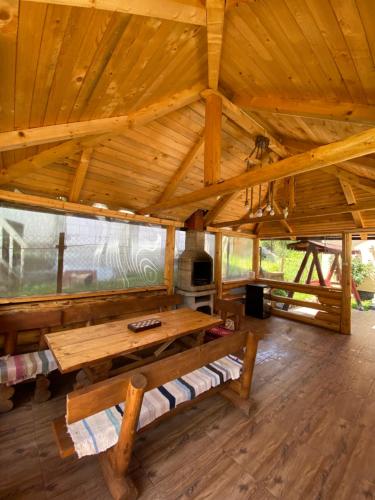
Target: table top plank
{"type": "Point", "coordinates": [74, 349]}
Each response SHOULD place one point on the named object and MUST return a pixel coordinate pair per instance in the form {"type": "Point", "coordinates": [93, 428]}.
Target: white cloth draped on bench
{"type": "Point", "coordinates": [19, 367]}
{"type": "Point", "coordinates": [99, 432]}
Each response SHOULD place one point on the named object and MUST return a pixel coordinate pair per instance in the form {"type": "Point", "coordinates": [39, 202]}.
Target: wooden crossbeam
{"type": "Point", "coordinates": [183, 169]}
{"type": "Point", "coordinates": [212, 147]}
{"type": "Point", "coordinates": [351, 200]}
{"type": "Point", "coordinates": [215, 26]}
{"type": "Point", "coordinates": [67, 149]}
{"type": "Point", "coordinates": [323, 156]}
{"type": "Point", "coordinates": [339, 111]}
{"type": "Point", "coordinates": [80, 174]}
{"type": "Point", "coordinates": [186, 11]}
{"type": "Point", "coordinates": [302, 214]}
{"type": "Point", "coordinates": [248, 123]}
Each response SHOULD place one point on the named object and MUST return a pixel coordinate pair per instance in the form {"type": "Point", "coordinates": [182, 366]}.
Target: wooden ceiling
{"type": "Point", "coordinates": [292, 65]}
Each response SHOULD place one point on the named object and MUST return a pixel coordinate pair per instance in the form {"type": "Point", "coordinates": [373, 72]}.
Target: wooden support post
{"type": "Point", "coordinates": [256, 257]}
{"type": "Point", "coordinates": [218, 264]}
{"type": "Point", "coordinates": [115, 462]}
{"type": "Point", "coordinates": [123, 449]}
{"type": "Point", "coordinates": [60, 262]}
{"type": "Point", "coordinates": [346, 284]}
{"type": "Point", "coordinates": [212, 147]}
{"type": "Point", "coordinates": [169, 259]}
{"type": "Point", "coordinates": [248, 364]}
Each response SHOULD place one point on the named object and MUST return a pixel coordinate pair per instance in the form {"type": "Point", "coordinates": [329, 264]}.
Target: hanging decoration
{"type": "Point", "coordinates": [259, 155]}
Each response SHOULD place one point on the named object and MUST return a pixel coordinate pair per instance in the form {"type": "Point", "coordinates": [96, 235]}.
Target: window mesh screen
{"type": "Point", "coordinates": [97, 254]}
{"type": "Point", "coordinates": [237, 256]}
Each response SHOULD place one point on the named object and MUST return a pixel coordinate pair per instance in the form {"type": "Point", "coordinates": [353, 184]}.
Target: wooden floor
{"type": "Point", "coordinates": [310, 434]}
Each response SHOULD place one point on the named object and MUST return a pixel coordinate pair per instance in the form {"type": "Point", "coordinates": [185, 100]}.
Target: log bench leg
{"type": "Point", "coordinates": [42, 392]}
{"type": "Point", "coordinates": [115, 462]}
{"type": "Point", "coordinates": [6, 393]}
{"type": "Point", "coordinates": [120, 487]}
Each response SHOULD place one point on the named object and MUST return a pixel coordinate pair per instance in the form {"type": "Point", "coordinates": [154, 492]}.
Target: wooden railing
{"type": "Point", "coordinates": [327, 306]}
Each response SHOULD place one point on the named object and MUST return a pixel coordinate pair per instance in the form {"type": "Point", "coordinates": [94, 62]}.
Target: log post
{"type": "Point", "coordinates": [123, 449]}
{"type": "Point", "coordinates": [248, 365]}
{"type": "Point", "coordinates": [169, 259]}
{"type": "Point", "coordinates": [218, 264]}
{"type": "Point", "coordinates": [346, 282]}
{"type": "Point", "coordinates": [256, 257]}
{"type": "Point", "coordinates": [212, 147]}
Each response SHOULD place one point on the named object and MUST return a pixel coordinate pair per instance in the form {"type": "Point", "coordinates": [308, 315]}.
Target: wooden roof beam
{"type": "Point", "coordinates": [66, 149]}
{"type": "Point", "coordinates": [183, 11]}
{"type": "Point", "coordinates": [327, 110]}
{"type": "Point", "coordinates": [364, 183]}
{"type": "Point", "coordinates": [80, 175]}
{"type": "Point", "coordinates": [18, 139]}
{"type": "Point", "coordinates": [215, 27]}
{"type": "Point", "coordinates": [302, 214]}
{"type": "Point", "coordinates": [248, 123]}
{"type": "Point", "coordinates": [212, 146]}
{"type": "Point", "coordinates": [323, 156]}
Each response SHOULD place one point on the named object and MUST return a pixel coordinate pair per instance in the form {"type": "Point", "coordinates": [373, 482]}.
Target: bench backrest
{"type": "Point", "coordinates": [102, 395]}
{"type": "Point", "coordinates": [95, 312]}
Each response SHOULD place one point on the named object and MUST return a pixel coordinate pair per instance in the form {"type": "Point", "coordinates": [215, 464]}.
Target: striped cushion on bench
{"type": "Point", "coordinates": [99, 432]}
{"type": "Point", "coordinates": [15, 369]}
{"type": "Point", "coordinates": [220, 331]}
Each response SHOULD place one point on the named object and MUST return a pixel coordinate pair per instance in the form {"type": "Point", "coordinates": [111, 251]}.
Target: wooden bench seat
{"type": "Point", "coordinates": [137, 386]}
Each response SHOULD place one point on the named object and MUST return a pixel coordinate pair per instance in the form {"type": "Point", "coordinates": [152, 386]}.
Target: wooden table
{"type": "Point", "coordinates": [82, 347]}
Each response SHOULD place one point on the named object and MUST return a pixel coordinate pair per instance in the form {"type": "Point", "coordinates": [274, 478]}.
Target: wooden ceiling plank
{"type": "Point", "coordinates": [248, 123]}
{"type": "Point", "coordinates": [322, 109]}
{"type": "Point", "coordinates": [323, 156]}
{"type": "Point", "coordinates": [215, 25]}
{"type": "Point", "coordinates": [212, 147]}
{"type": "Point", "coordinates": [182, 171]}
{"type": "Point", "coordinates": [190, 12]}
{"type": "Point", "coordinates": [134, 119]}
{"type": "Point", "coordinates": [8, 48]}
{"type": "Point", "coordinates": [80, 175]}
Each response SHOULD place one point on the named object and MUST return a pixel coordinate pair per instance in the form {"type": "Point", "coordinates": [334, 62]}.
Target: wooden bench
{"type": "Point", "coordinates": [85, 405]}
{"type": "Point", "coordinates": [45, 320]}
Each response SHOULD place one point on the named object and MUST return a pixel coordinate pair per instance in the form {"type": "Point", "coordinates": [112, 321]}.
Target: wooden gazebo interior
{"type": "Point", "coordinates": [148, 112]}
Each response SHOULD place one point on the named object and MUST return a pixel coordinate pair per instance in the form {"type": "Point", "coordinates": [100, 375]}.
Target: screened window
{"type": "Point", "coordinates": [95, 254]}
{"type": "Point", "coordinates": [237, 258]}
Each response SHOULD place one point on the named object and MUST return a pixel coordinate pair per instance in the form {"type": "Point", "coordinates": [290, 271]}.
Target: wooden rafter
{"type": "Point", "coordinates": [302, 214]}
{"type": "Point", "coordinates": [191, 12]}
{"type": "Point", "coordinates": [350, 178]}
{"type": "Point", "coordinates": [248, 123]}
{"type": "Point", "coordinates": [66, 149]}
{"type": "Point", "coordinates": [215, 25]}
{"type": "Point", "coordinates": [221, 204]}
{"type": "Point", "coordinates": [183, 169]}
{"type": "Point", "coordinates": [80, 174]}
{"type": "Point", "coordinates": [351, 200]}
{"type": "Point", "coordinates": [323, 156]}
{"type": "Point", "coordinates": [339, 111]}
